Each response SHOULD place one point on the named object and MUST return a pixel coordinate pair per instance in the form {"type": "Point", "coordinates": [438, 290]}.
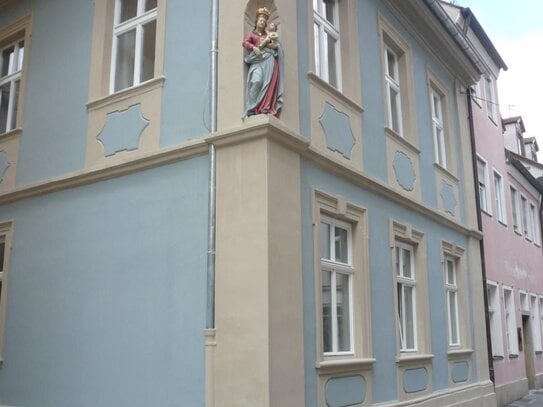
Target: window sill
{"type": "Point", "coordinates": [445, 172]}
{"type": "Point", "coordinates": [401, 140]}
{"type": "Point", "coordinates": [124, 94]}
{"type": "Point", "coordinates": [513, 356]}
{"type": "Point", "coordinates": [459, 353]}
{"type": "Point", "coordinates": [539, 352]}
{"type": "Point", "coordinates": [497, 357]}
{"type": "Point", "coordinates": [327, 88]}
{"type": "Point", "coordinates": [344, 365]}
{"type": "Point", "coordinates": [12, 133]}
{"type": "Point", "coordinates": [486, 213]}
{"type": "Point", "coordinates": [502, 223]}
{"type": "Point", "coordinates": [414, 359]}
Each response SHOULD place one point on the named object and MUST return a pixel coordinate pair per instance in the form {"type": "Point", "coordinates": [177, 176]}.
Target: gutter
{"type": "Point", "coordinates": [455, 32]}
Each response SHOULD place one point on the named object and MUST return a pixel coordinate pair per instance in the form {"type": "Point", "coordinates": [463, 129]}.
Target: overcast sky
{"type": "Point", "coordinates": [516, 29]}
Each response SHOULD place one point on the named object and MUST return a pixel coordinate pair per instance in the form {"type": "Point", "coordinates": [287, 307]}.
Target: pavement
{"type": "Point", "coordinates": [533, 399]}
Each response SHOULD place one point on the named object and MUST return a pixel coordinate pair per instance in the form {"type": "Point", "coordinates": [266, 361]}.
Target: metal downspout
{"type": "Point", "coordinates": [210, 306]}
{"type": "Point", "coordinates": [480, 227]}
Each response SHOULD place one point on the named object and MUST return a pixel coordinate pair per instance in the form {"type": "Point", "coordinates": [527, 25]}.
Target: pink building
{"type": "Point", "coordinates": [510, 206]}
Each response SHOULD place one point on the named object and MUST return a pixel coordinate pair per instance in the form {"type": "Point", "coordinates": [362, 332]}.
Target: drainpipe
{"type": "Point", "coordinates": [480, 227]}
{"type": "Point", "coordinates": [210, 306]}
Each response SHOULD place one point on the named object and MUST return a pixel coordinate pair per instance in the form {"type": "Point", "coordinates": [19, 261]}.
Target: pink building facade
{"type": "Point", "coordinates": [510, 206]}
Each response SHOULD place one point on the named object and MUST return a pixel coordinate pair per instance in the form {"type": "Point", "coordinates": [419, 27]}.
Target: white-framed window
{"type": "Point", "coordinates": [327, 41]}
{"type": "Point", "coordinates": [5, 247]}
{"type": "Point", "coordinates": [392, 91]}
{"type": "Point", "coordinates": [515, 210]}
{"type": "Point", "coordinates": [406, 285]}
{"type": "Point", "coordinates": [11, 68]}
{"type": "Point", "coordinates": [526, 225]}
{"type": "Point", "coordinates": [482, 179]}
{"type": "Point", "coordinates": [534, 226]}
{"type": "Point", "coordinates": [499, 198]}
{"type": "Point", "coordinates": [535, 321]}
{"type": "Point", "coordinates": [438, 128]}
{"type": "Point", "coordinates": [510, 321]}
{"type": "Point", "coordinates": [337, 286]}
{"type": "Point", "coordinates": [490, 99]}
{"type": "Point", "coordinates": [476, 94]}
{"type": "Point", "coordinates": [524, 304]}
{"type": "Point", "coordinates": [134, 43]}
{"type": "Point", "coordinates": [451, 292]}
{"type": "Point", "coordinates": [495, 319]}
{"type": "Point", "coordinates": [343, 305]}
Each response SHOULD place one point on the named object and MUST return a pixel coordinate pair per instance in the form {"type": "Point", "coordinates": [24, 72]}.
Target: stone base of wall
{"type": "Point", "coordinates": [509, 392]}
{"type": "Point", "coordinates": [475, 395]}
{"type": "Point", "coordinates": [539, 381]}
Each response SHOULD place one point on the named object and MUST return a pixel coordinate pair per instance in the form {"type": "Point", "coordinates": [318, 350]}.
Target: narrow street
{"type": "Point", "coordinates": [534, 399]}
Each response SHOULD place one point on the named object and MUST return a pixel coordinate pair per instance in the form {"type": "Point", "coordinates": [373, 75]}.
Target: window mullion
{"type": "Point", "coordinates": [10, 106]}
{"type": "Point", "coordinates": [333, 306]}
{"type": "Point", "coordinates": [137, 54]}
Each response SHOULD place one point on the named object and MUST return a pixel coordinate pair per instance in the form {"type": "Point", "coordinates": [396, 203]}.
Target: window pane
{"type": "Point", "coordinates": [406, 263]}
{"type": "Point", "coordinates": [150, 4]}
{"type": "Point", "coordinates": [332, 63]}
{"type": "Point", "coordinates": [128, 9]}
{"type": "Point", "coordinates": [341, 245]}
{"type": "Point", "coordinates": [343, 315]}
{"type": "Point", "coordinates": [394, 110]}
{"type": "Point", "coordinates": [329, 5]}
{"type": "Point", "coordinates": [8, 55]}
{"type": "Point", "coordinates": [148, 54]}
{"type": "Point", "coordinates": [124, 75]}
{"type": "Point", "coordinates": [325, 241]}
{"type": "Point", "coordinates": [391, 64]}
{"type": "Point", "coordinates": [4, 106]}
{"type": "Point", "coordinates": [450, 273]}
{"type": "Point", "coordinates": [20, 55]}
{"type": "Point", "coordinates": [15, 102]}
{"type": "Point", "coordinates": [2, 249]}
{"type": "Point", "coordinates": [453, 317]}
{"type": "Point", "coordinates": [326, 311]}
{"type": "Point", "coordinates": [397, 261]}
{"type": "Point", "coordinates": [409, 317]}
{"type": "Point", "coordinates": [317, 49]}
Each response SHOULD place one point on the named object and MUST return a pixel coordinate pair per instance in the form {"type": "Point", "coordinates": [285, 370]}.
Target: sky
{"type": "Point", "coordinates": [516, 30]}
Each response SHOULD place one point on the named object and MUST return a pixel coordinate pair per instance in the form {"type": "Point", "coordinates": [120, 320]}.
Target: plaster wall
{"type": "Point", "coordinates": [106, 295]}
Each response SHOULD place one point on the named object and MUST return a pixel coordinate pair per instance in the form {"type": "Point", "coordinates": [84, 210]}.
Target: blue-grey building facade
{"type": "Point", "coordinates": [338, 263]}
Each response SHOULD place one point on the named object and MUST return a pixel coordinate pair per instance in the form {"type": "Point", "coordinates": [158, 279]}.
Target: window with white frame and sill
{"type": "Point", "coordinates": [11, 67]}
{"type": "Point", "coordinates": [535, 323]}
{"type": "Point", "coordinates": [536, 230]}
{"type": "Point", "coordinates": [510, 322]}
{"type": "Point", "coordinates": [342, 279]}
{"type": "Point", "coordinates": [526, 224]}
{"type": "Point", "coordinates": [491, 105]}
{"type": "Point", "coordinates": [327, 41]}
{"type": "Point", "coordinates": [495, 319]}
{"type": "Point", "coordinates": [451, 292]}
{"type": "Point", "coordinates": [337, 286]}
{"type": "Point", "coordinates": [410, 290]}
{"type": "Point", "coordinates": [499, 198]}
{"type": "Point", "coordinates": [540, 309]}
{"type": "Point", "coordinates": [397, 83]}
{"type": "Point", "coordinates": [134, 43]}
{"type": "Point", "coordinates": [483, 182]}
{"type": "Point", "coordinates": [438, 127]}
{"type": "Point", "coordinates": [515, 209]}
{"type": "Point", "coordinates": [13, 44]}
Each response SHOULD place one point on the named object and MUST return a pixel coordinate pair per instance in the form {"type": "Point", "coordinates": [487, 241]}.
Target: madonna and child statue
{"type": "Point", "coordinates": [264, 57]}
